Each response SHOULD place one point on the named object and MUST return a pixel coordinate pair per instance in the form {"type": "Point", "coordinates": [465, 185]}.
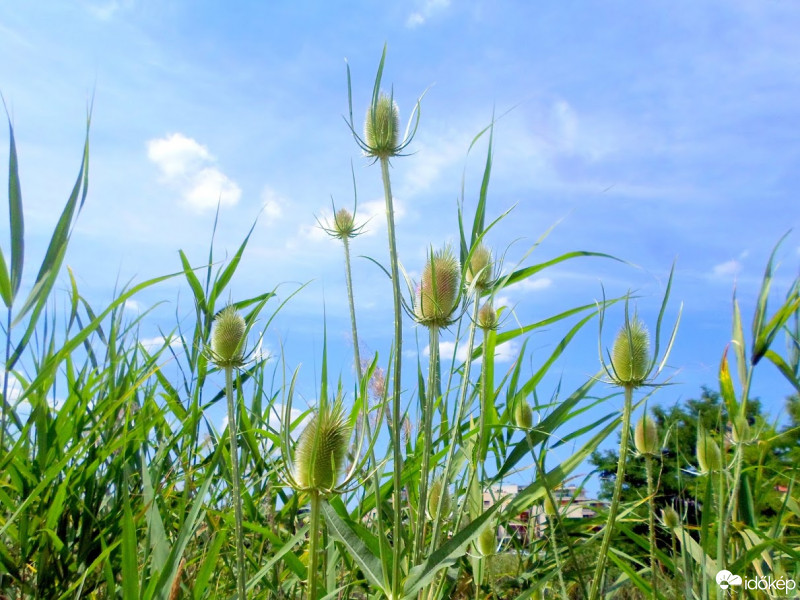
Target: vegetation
{"type": "Point", "coordinates": [114, 485]}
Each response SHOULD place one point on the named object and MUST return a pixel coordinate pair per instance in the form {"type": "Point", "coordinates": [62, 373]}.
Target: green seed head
{"type": "Point", "coordinates": [438, 291]}
{"type": "Point", "coordinates": [740, 432]}
{"type": "Point", "coordinates": [227, 338]}
{"type": "Point", "coordinates": [486, 542]}
{"type": "Point", "coordinates": [320, 452]}
{"type": "Point", "coordinates": [480, 267]}
{"type": "Point", "coordinates": [523, 415]}
{"type": "Point", "coordinates": [343, 224]}
{"type": "Point", "coordinates": [487, 317]}
{"type": "Point", "coordinates": [381, 128]}
{"type": "Point", "coordinates": [630, 357]}
{"type": "Point", "coordinates": [646, 436]}
{"type": "Point", "coordinates": [670, 517]}
{"type": "Point", "coordinates": [709, 456]}
{"type": "Point", "coordinates": [549, 508]}
{"type": "Point", "coordinates": [438, 487]}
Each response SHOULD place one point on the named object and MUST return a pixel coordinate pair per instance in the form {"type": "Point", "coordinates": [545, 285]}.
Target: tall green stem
{"type": "Point", "coordinates": [651, 502]}
{"type": "Point", "coordinates": [237, 491]}
{"type": "Point", "coordinates": [427, 412]}
{"type": "Point", "coordinates": [349, 278]}
{"type": "Point", "coordinates": [313, 543]}
{"type": "Point", "coordinates": [397, 381]}
{"type": "Point", "coordinates": [6, 405]}
{"type": "Point", "coordinates": [612, 511]}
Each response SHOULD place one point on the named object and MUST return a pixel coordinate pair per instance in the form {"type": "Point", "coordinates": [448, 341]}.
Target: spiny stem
{"type": "Point", "coordinates": [313, 535]}
{"type": "Point", "coordinates": [427, 411]}
{"type": "Point", "coordinates": [237, 491]}
{"type": "Point", "coordinates": [397, 381]}
{"type": "Point", "coordinates": [612, 511]}
{"type": "Point", "coordinates": [651, 501]}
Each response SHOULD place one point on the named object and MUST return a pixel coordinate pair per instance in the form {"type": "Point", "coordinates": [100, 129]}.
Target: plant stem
{"type": "Point", "coordinates": [651, 501]}
{"type": "Point", "coordinates": [237, 491]}
{"type": "Point", "coordinates": [397, 382]}
{"type": "Point", "coordinates": [6, 405]}
{"type": "Point", "coordinates": [612, 511]}
{"type": "Point", "coordinates": [427, 412]}
{"type": "Point", "coordinates": [349, 279]}
{"type": "Point", "coordinates": [313, 533]}
{"type": "Point", "coordinates": [554, 543]}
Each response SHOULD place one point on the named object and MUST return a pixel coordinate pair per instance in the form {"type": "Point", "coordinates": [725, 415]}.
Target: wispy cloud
{"type": "Point", "coordinates": [503, 353]}
{"type": "Point", "coordinates": [531, 285]}
{"type": "Point", "coordinates": [156, 343]}
{"type": "Point", "coordinates": [729, 268]}
{"type": "Point", "coordinates": [188, 166]}
{"type": "Point", "coordinates": [426, 10]}
{"type": "Point", "coordinates": [273, 204]}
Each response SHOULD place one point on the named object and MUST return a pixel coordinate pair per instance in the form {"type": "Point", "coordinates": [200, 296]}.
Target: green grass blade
{"type": "Point", "coordinates": [15, 215]}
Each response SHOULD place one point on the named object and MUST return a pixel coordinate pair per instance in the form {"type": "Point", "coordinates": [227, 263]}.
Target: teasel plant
{"type": "Point", "coordinates": [381, 142]}
{"type": "Point", "coordinates": [226, 351]}
{"type": "Point", "coordinates": [630, 366]}
{"type": "Point", "coordinates": [647, 444]}
{"type": "Point", "coordinates": [315, 465]}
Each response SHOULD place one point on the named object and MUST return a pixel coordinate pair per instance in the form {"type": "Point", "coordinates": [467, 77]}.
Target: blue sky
{"type": "Point", "coordinates": [651, 131]}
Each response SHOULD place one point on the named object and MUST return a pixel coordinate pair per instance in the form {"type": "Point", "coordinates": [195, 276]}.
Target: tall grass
{"type": "Point", "coordinates": [115, 484]}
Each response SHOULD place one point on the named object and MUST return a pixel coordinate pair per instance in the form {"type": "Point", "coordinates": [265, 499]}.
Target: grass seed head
{"type": "Point", "coordinates": [321, 449]}
{"type": "Point", "coordinates": [630, 356]}
{"type": "Point", "coordinates": [381, 128]}
{"type": "Point", "coordinates": [480, 267]}
{"type": "Point", "coordinates": [227, 338]}
{"type": "Point", "coordinates": [439, 289]}
{"type": "Point", "coordinates": [645, 437]}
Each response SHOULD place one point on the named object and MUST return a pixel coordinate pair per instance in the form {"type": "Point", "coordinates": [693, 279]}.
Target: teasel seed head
{"type": "Point", "coordinates": [480, 268]}
{"type": "Point", "coordinates": [486, 542]}
{"type": "Point", "coordinates": [645, 437]}
{"type": "Point", "coordinates": [227, 338]}
{"type": "Point", "coordinates": [381, 128]}
{"type": "Point", "coordinates": [321, 450]}
{"type": "Point", "coordinates": [487, 317]}
{"type": "Point", "coordinates": [740, 430]}
{"type": "Point", "coordinates": [549, 508]}
{"type": "Point", "coordinates": [438, 489]}
{"type": "Point", "coordinates": [343, 224]}
{"type": "Point", "coordinates": [523, 415]}
{"type": "Point", "coordinates": [630, 356]}
{"type": "Point", "coordinates": [671, 518]}
{"type": "Point", "coordinates": [438, 292]}
{"type": "Point", "coordinates": [709, 456]}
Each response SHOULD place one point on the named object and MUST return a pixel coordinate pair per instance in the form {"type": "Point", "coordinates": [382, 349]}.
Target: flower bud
{"type": "Point", "coordinates": [670, 517]}
{"type": "Point", "coordinates": [381, 128]}
{"type": "Point", "coordinates": [486, 542]}
{"type": "Point", "coordinates": [523, 415]}
{"type": "Point", "coordinates": [645, 437]}
{"type": "Point", "coordinates": [227, 338]}
{"type": "Point", "coordinates": [480, 267]}
{"type": "Point", "coordinates": [439, 490]}
{"type": "Point", "coordinates": [438, 290]}
{"type": "Point", "coordinates": [321, 449]}
{"type": "Point", "coordinates": [740, 432]}
{"type": "Point", "coordinates": [709, 456]}
{"type": "Point", "coordinates": [630, 356]}
{"type": "Point", "coordinates": [343, 224]}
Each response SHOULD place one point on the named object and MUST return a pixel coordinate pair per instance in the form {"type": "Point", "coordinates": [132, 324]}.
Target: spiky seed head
{"type": "Point", "coordinates": [523, 415]}
{"type": "Point", "coordinates": [321, 449]}
{"type": "Point", "coordinates": [486, 542]}
{"type": "Point", "coordinates": [740, 432]}
{"type": "Point", "coordinates": [227, 338]}
{"type": "Point", "coordinates": [438, 291]}
{"type": "Point", "coordinates": [343, 224]}
{"type": "Point", "coordinates": [439, 489]}
{"type": "Point", "coordinates": [487, 317]}
{"type": "Point", "coordinates": [645, 437]}
{"type": "Point", "coordinates": [630, 357]}
{"type": "Point", "coordinates": [549, 508]}
{"type": "Point", "coordinates": [709, 456]}
{"type": "Point", "coordinates": [480, 267]}
{"type": "Point", "coordinates": [670, 517]}
{"type": "Point", "coordinates": [381, 128]}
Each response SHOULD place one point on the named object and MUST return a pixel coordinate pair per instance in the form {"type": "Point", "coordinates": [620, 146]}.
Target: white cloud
{"type": "Point", "coordinates": [536, 284]}
{"type": "Point", "coordinates": [132, 306]}
{"type": "Point", "coordinates": [188, 166]}
{"type": "Point", "coordinates": [427, 9]}
{"type": "Point", "coordinates": [727, 269]}
{"type": "Point", "coordinates": [273, 204]}
{"type": "Point", "coordinates": [156, 343]}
